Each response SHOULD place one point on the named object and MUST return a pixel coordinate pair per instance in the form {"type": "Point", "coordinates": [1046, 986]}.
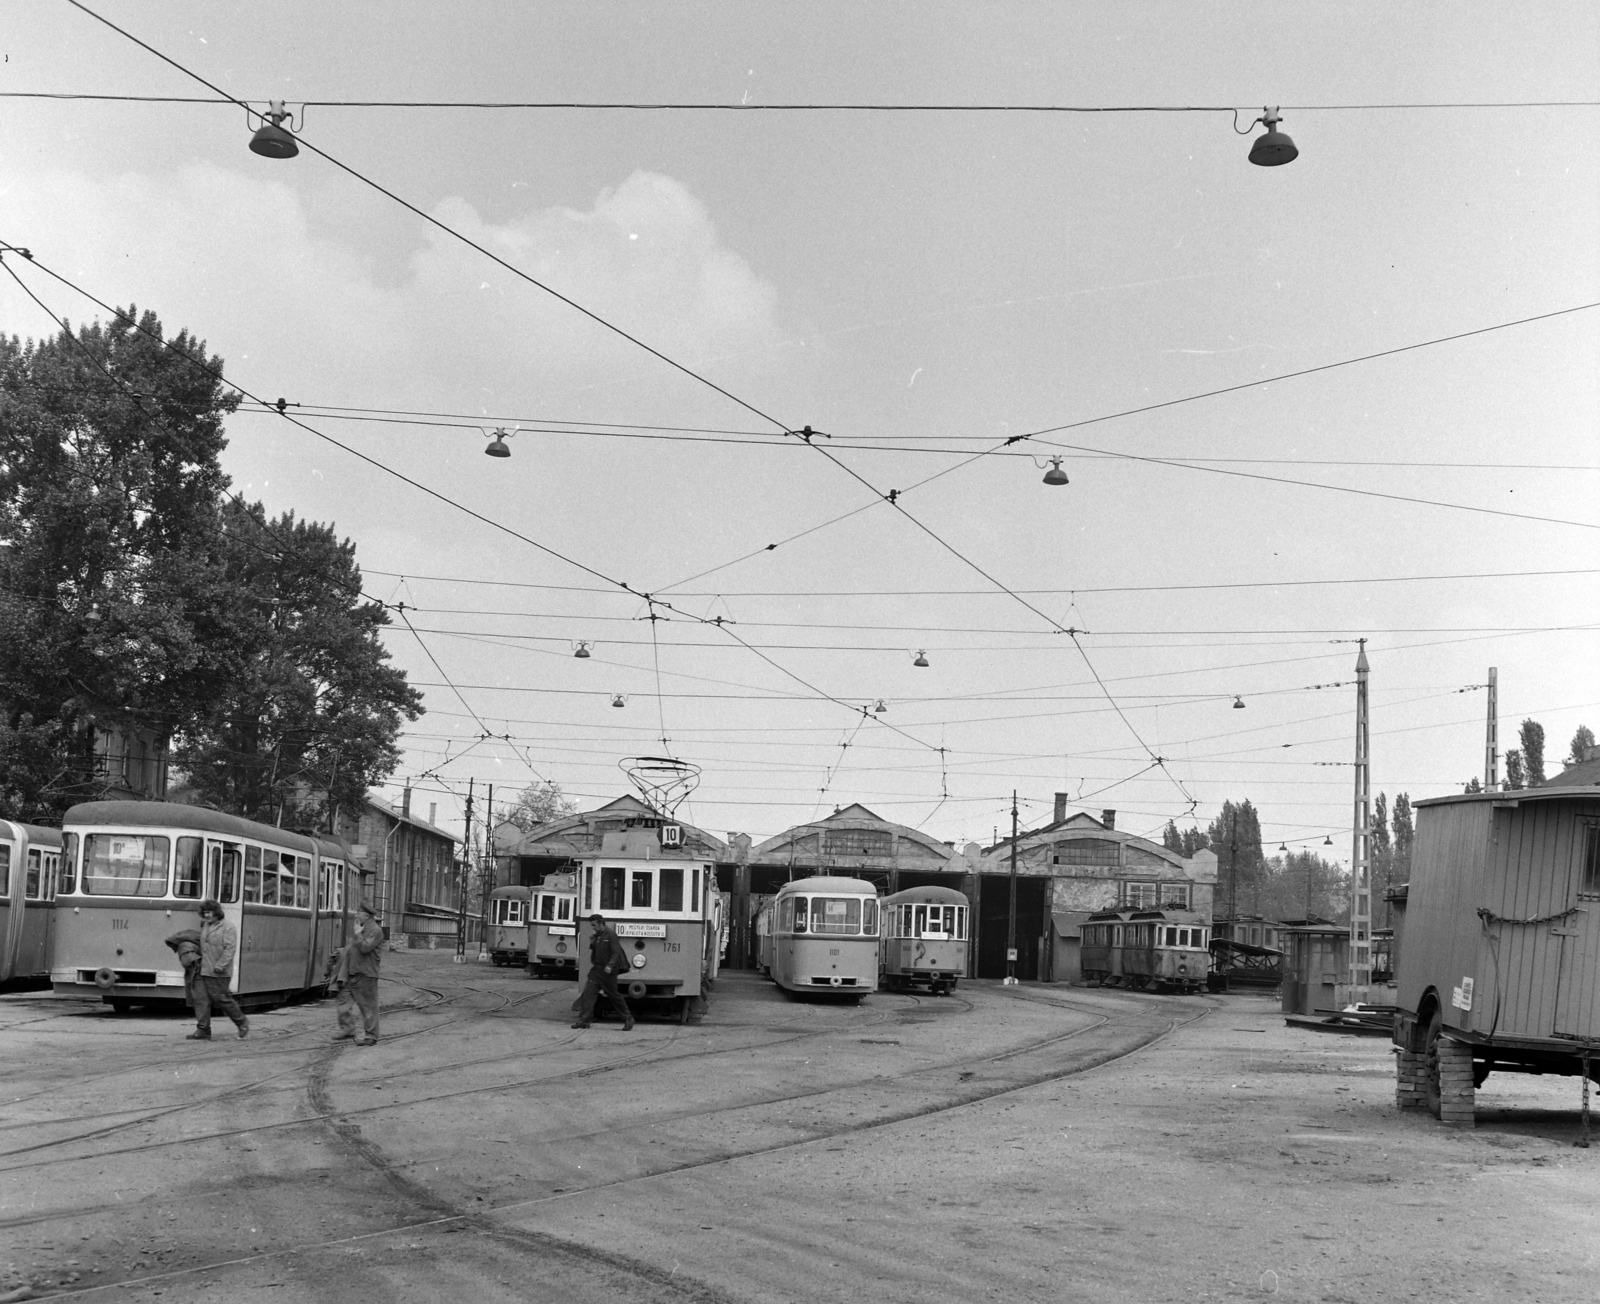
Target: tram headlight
{"type": "Point", "coordinates": [638, 961]}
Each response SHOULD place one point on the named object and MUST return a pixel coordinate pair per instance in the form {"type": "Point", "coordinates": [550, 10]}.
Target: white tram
{"type": "Point", "coordinates": [924, 940]}
{"type": "Point", "coordinates": [134, 872]}
{"type": "Point", "coordinates": [552, 930]}
{"type": "Point", "coordinates": [507, 938]}
{"type": "Point", "coordinates": [30, 858]}
{"type": "Point", "coordinates": [666, 909]}
{"type": "Point", "coordinates": [824, 936]}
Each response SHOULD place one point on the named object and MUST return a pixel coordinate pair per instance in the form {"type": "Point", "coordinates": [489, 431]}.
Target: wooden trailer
{"type": "Point", "coordinates": [1500, 971]}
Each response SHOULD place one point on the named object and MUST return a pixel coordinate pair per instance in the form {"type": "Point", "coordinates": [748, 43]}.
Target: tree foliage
{"type": "Point", "coordinates": [1516, 772]}
{"type": "Point", "coordinates": [1184, 841]}
{"type": "Point", "coordinates": [1582, 741]}
{"type": "Point", "coordinates": [1531, 736]}
{"type": "Point", "coordinates": [112, 600]}
{"type": "Point", "coordinates": [310, 722]}
{"type": "Point", "coordinates": [539, 803]}
{"type": "Point", "coordinates": [1235, 835]}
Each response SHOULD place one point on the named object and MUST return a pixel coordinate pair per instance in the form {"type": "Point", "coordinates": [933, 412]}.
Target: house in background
{"type": "Point", "coordinates": [411, 872]}
{"type": "Point", "coordinates": [1073, 867]}
{"type": "Point", "coordinates": [524, 858]}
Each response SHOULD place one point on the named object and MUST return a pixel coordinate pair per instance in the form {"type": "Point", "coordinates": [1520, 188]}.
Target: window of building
{"type": "Point", "coordinates": [857, 842]}
{"type": "Point", "coordinates": [1175, 895]}
{"type": "Point", "coordinates": [1088, 851]}
{"type": "Point", "coordinates": [1589, 880]}
{"type": "Point", "coordinates": [1141, 896]}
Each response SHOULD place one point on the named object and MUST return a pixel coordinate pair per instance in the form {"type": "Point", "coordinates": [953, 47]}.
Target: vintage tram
{"type": "Point", "coordinates": [507, 935]}
{"type": "Point", "coordinates": [552, 928]}
{"type": "Point", "coordinates": [924, 944]}
{"type": "Point", "coordinates": [30, 858]}
{"type": "Point", "coordinates": [664, 906]}
{"type": "Point", "coordinates": [134, 872]}
{"type": "Point", "coordinates": [825, 936]}
{"type": "Point", "coordinates": [1158, 950]}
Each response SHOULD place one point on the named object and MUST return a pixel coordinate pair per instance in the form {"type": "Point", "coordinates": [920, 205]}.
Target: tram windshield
{"type": "Point", "coordinates": [835, 914]}
{"type": "Point", "coordinates": [508, 910]}
{"type": "Point", "coordinates": [125, 864]}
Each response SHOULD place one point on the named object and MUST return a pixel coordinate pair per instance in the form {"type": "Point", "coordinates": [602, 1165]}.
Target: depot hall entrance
{"type": "Point", "coordinates": [993, 911]}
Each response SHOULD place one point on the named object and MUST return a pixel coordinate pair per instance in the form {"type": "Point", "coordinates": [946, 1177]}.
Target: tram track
{"type": "Point", "coordinates": [438, 1213]}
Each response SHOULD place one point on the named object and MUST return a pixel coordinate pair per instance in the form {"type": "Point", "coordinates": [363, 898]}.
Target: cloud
{"type": "Point", "coordinates": [236, 260]}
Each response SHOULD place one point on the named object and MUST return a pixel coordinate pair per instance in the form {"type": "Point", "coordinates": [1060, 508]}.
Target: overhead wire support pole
{"type": "Point", "coordinates": [1011, 910]}
{"type": "Point", "coordinates": [1360, 844]}
{"type": "Point", "coordinates": [466, 875]}
{"type": "Point", "coordinates": [486, 875]}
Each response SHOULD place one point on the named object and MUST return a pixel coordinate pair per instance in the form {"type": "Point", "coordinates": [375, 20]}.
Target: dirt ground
{"type": "Point", "coordinates": [1034, 1143]}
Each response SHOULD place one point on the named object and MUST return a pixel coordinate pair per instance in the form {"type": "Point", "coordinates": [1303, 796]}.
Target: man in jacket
{"type": "Point", "coordinates": [606, 960]}
{"type": "Point", "coordinates": [344, 1004]}
{"type": "Point", "coordinates": [219, 942]}
{"type": "Point", "coordinates": [362, 958]}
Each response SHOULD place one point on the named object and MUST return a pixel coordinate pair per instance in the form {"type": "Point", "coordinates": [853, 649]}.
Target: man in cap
{"type": "Point", "coordinates": [219, 943]}
{"type": "Point", "coordinates": [362, 958]}
{"type": "Point", "coordinates": [606, 960]}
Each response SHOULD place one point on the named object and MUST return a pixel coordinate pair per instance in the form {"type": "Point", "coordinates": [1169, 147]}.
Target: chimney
{"type": "Point", "coordinates": [433, 812]}
{"type": "Point", "coordinates": [1592, 752]}
{"type": "Point", "coordinates": [405, 802]}
{"type": "Point", "coordinates": [1109, 818]}
{"type": "Point", "coordinates": [1061, 807]}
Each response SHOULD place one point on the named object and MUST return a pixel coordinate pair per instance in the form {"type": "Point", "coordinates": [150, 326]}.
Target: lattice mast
{"type": "Point", "coordinates": [1491, 737]}
{"type": "Point", "coordinates": [1361, 842]}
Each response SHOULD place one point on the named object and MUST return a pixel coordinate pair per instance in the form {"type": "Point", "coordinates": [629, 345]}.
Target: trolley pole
{"type": "Point", "coordinates": [1011, 919]}
{"type": "Point", "coordinates": [466, 874]}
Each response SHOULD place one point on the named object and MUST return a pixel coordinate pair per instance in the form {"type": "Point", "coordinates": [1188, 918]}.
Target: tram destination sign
{"type": "Point", "coordinates": [641, 930]}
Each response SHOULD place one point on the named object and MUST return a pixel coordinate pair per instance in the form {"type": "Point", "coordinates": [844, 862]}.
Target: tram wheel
{"type": "Point", "coordinates": [683, 1010]}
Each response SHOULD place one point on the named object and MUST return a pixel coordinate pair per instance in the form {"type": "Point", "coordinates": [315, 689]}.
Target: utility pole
{"type": "Point", "coordinates": [1360, 839]}
{"type": "Point", "coordinates": [1011, 921]}
{"type": "Point", "coordinates": [466, 873]}
{"type": "Point", "coordinates": [489, 875]}
{"type": "Point", "coordinates": [1491, 737]}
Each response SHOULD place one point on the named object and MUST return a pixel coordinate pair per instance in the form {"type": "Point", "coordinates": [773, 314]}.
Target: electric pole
{"type": "Point", "coordinates": [1361, 834]}
{"type": "Point", "coordinates": [1011, 920]}
{"type": "Point", "coordinates": [466, 872]}
{"type": "Point", "coordinates": [1491, 737]}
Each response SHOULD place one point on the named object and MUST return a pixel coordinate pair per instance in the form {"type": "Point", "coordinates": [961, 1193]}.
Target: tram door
{"type": "Point", "coordinates": [224, 874]}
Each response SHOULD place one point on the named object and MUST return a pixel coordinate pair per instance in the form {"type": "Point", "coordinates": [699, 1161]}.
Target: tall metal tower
{"type": "Point", "coordinates": [1491, 739]}
{"type": "Point", "coordinates": [1360, 843]}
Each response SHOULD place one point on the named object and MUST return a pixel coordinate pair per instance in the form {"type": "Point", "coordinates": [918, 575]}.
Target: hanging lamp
{"type": "Point", "coordinates": [272, 140]}
{"type": "Point", "coordinates": [1275, 148]}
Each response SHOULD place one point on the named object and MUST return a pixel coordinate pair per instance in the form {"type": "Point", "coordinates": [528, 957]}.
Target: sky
{"type": "Point", "coordinates": [1351, 397]}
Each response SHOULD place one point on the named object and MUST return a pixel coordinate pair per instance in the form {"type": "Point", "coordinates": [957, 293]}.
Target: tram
{"type": "Point", "coordinates": [507, 937]}
{"type": "Point", "coordinates": [552, 931]}
{"type": "Point", "coordinates": [825, 936]}
{"type": "Point", "coordinates": [135, 872]}
{"type": "Point", "coordinates": [30, 858]}
{"type": "Point", "coordinates": [924, 944]}
{"type": "Point", "coordinates": [665, 908]}
{"type": "Point", "coordinates": [1160, 950]}
{"type": "Point", "coordinates": [764, 936]}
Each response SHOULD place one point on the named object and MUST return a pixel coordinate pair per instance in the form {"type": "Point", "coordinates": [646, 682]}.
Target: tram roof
{"type": "Point", "coordinates": [38, 832]}
{"type": "Point", "coordinates": [943, 896]}
{"type": "Point", "coordinates": [825, 883]}
{"type": "Point", "coordinates": [175, 815]}
{"type": "Point", "coordinates": [511, 893]}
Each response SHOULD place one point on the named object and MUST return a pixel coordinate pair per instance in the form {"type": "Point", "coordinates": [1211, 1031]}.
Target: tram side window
{"type": "Point", "coordinates": [252, 875]}
{"type": "Point", "coordinates": [269, 879]}
{"type": "Point", "coordinates": [224, 884]}
{"type": "Point", "coordinates": [189, 869]}
{"type": "Point", "coordinates": [68, 881]}
{"type": "Point", "coordinates": [5, 871]}
{"type": "Point", "coordinates": [302, 882]}
{"type": "Point", "coordinates": [613, 884]}
{"type": "Point", "coordinates": [671, 889]}
{"type": "Point", "coordinates": [643, 888]}
{"type": "Point", "coordinates": [869, 918]}
{"type": "Point", "coordinates": [800, 905]}
{"type": "Point", "coordinates": [125, 864]}
{"type": "Point", "coordinates": [31, 884]}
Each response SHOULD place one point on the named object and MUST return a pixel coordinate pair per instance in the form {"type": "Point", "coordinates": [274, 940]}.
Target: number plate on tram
{"type": "Point", "coordinates": [641, 930]}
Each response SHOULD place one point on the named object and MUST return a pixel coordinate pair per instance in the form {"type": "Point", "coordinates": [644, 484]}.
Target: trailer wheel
{"type": "Point", "coordinates": [1430, 1062]}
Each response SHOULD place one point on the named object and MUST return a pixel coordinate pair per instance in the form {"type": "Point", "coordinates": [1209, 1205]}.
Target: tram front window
{"type": "Point", "coordinates": [671, 889]}
{"type": "Point", "coordinates": [869, 918]}
{"type": "Point", "coordinates": [799, 904]}
{"type": "Point", "coordinates": [835, 915]}
{"type": "Point", "coordinates": [125, 864]}
{"type": "Point", "coordinates": [643, 886]}
{"type": "Point", "coordinates": [613, 881]}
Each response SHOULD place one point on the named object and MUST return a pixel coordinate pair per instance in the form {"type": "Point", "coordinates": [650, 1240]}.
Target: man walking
{"type": "Point", "coordinates": [219, 942]}
{"type": "Point", "coordinates": [606, 960]}
{"type": "Point", "coordinates": [362, 958]}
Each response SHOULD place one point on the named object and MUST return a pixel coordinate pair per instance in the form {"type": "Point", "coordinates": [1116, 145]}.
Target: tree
{"type": "Point", "coordinates": [539, 803]}
{"type": "Point", "coordinates": [1405, 834]}
{"type": "Point", "coordinates": [1235, 835]}
{"type": "Point", "coordinates": [1516, 776]}
{"type": "Point", "coordinates": [1582, 741]}
{"type": "Point", "coordinates": [311, 720]}
{"type": "Point", "coordinates": [1185, 842]}
{"type": "Point", "coordinates": [1531, 735]}
{"type": "Point", "coordinates": [112, 593]}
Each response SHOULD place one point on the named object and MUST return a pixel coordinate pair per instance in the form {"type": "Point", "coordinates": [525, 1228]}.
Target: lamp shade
{"type": "Point", "coordinates": [1273, 150]}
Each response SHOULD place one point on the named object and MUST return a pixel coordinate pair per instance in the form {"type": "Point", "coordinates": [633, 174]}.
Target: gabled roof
{"type": "Point", "coordinates": [853, 816]}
